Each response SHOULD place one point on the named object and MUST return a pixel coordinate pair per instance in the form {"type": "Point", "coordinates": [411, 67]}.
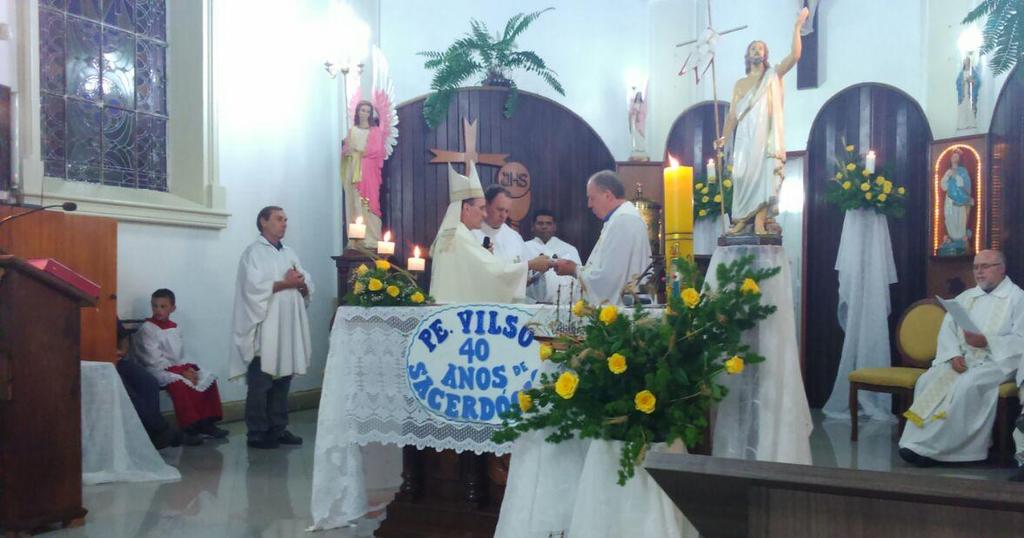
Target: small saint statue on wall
{"type": "Point", "coordinates": [967, 84]}
{"type": "Point", "coordinates": [955, 186]}
{"type": "Point", "coordinates": [637, 101]}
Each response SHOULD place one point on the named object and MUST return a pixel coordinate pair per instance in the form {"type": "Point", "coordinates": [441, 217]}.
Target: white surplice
{"type": "Point", "coordinates": [158, 349]}
{"type": "Point", "coordinates": [272, 326]}
{"type": "Point", "coordinates": [546, 285]}
{"type": "Point", "coordinates": [508, 244]}
{"type": "Point", "coordinates": [621, 255]}
{"type": "Point", "coordinates": [759, 150]}
{"type": "Point", "coordinates": [958, 426]}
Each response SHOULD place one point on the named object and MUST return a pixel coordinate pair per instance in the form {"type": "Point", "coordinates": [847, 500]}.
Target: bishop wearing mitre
{"type": "Point", "coordinates": [463, 270]}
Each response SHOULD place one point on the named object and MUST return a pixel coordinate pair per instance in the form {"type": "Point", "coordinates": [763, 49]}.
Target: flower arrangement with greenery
{"type": "Point", "coordinates": [707, 197]}
{"type": "Point", "coordinates": [480, 53]}
{"type": "Point", "coordinates": [384, 284]}
{"type": "Point", "coordinates": [643, 379]}
{"type": "Point", "coordinates": [853, 187]}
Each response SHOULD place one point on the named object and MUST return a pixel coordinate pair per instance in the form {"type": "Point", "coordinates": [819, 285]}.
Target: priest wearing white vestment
{"type": "Point", "coordinates": [270, 329]}
{"type": "Point", "coordinates": [955, 400]}
{"type": "Point", "coordinates": [505, 242]}
{"type": "Point", "coordinates": [622, 252]}
{"type": "Point", "coordinates": [463, 271]}
{"type": "Point", "coordinates": [544, 287]}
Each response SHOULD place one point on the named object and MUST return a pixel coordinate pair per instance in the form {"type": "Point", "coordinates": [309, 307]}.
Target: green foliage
{"type": "Point", "coordinates": [1003, 32]}
{"type": "Point", "coordinates": [383, 284]}
{"type": "Point", "coordinates": [677, 357]}
{"type": "Point", "coordinates": [706, 201]}
{"type": "Point", "coordinates": [480, 53]}
{"type": "Point", "coordinates": [854, 188]}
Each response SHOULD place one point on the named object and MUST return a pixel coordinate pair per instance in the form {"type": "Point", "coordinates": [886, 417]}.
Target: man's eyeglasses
{"type": "Point", "coordinates": [984, 266]}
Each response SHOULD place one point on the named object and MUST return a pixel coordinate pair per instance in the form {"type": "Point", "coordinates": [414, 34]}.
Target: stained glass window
{"type": "Point", "coordinates": [103, 85]}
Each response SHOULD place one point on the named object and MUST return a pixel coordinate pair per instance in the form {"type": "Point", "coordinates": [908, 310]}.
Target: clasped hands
{"type": "Point", "coordinates": [959, 364]}
{"type": "Point", "coordinates": [295, 279]}
{"type": "Point", "coordinates": [542, 263]}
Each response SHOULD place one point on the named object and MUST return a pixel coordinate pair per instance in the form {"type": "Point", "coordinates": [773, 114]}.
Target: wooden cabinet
{"type": "Point", "coordinates": [87, 245]}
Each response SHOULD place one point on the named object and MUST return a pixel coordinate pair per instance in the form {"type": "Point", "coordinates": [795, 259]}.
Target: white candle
{"type": "Point", "coordinates": [386, 247]}
{"type": "Point", "coordinates": [711, 169]}
{"type": "Point", "coordinates": [357, 230]}
{"type": "Point", "coordinates": [416, 263]}
{"type": "Point", "coordinates": [869, 162]}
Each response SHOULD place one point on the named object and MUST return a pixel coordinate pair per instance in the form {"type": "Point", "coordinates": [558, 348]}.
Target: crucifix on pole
{"type": "Point", "coordinates": [695, 61]}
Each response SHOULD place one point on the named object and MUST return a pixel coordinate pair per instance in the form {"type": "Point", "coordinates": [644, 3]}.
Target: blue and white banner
{"type": "Point", "coordinates": [467, 363]}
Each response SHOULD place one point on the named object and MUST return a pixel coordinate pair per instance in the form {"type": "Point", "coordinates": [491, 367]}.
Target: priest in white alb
{"type": "Point", "coordinates": [463, 270]}
{"type": "Point", "coordinates": [503, 241]}
{"type": "Point", "coordinates": [622, 253]}
{"type": "Point", "coordinates": [544, 287]}
{"type": "Point", "coordinates": [955, 400]}
{"type": "Point", "coordinates": [270, 329]}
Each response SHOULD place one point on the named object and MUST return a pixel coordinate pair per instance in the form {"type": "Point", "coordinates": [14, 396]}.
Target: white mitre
{"type": "Point", "coordinates": [460, 188]}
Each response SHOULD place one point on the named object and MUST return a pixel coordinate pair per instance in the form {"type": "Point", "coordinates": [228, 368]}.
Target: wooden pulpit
{"type": "Point", "coordinates": [40, 397]}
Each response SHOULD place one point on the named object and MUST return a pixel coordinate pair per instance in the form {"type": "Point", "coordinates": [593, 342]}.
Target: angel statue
{"type": "Point", "coordinates": [637, 100]}
{"type": "Point", "coordinates": [369, 142]}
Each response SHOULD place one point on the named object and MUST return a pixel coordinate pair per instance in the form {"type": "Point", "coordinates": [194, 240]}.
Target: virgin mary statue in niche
{"type": "Point", "coordinates": [956, 207]}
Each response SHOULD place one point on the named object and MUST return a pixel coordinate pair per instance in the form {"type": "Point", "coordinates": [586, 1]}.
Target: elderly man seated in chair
{"type": "Point", "coordinates": [955, 400]}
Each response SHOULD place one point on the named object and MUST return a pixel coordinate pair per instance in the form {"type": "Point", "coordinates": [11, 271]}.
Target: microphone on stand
{"type": "Point", "coordinates": [66, 206]}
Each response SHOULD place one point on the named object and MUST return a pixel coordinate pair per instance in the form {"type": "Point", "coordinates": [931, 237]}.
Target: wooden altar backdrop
{"type": "Point", "coordinates": [556, 146]}
{"type": "Point", "coordinates": [1006, 147]}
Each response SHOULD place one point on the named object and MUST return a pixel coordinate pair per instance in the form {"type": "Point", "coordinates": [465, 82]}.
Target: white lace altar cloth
{"type": "Point", "coordinates": [366, 399]}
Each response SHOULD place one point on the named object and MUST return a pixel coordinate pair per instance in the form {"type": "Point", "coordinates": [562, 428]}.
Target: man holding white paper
{"type": "Point", "coordinates": [955, 400]}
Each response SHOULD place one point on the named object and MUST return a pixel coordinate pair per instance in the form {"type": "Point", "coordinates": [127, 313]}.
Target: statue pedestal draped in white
{"type": "Point", "coordinates": [706, 233]}
{"type": "Point", "coordinates": [866, 269]}
{"type": "Point", "coordinates": [604, 509]}
{"type": "Point", "coordinates": [765, 416]}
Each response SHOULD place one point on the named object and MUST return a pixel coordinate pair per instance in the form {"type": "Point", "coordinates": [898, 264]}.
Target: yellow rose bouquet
{"type": "Point", "coordinates": [380, 283]}
{"type": "Point", "coordinates": [642, 378]}
{"type": "Point", "coordinates": [708, 196]}
{"type": "Point", "coordinates": [854, 187]}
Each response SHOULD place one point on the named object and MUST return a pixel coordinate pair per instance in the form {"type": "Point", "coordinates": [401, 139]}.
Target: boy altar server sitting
{"type": "Point", "coordinates": [158, 346]}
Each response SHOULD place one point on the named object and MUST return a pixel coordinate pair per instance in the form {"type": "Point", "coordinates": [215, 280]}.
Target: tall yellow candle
{"type": "Point", "coordinates": [678, 213]}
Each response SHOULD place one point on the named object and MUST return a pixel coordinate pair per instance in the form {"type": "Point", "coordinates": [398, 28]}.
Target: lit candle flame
{"type": "Point", "coordinates": [387, 235]}
{"type": "Point", "coordinates": [672, 162]}
{"type": "Point", "coordinates": [711, 162]}
{"type": "Point", "coordinates": [359, 219]}
{"type": "Point", "coordinates": [416, 252]}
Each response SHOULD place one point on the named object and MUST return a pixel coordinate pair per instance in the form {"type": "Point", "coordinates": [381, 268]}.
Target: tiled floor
{"type": "Point", "coordinates": [229, 490]}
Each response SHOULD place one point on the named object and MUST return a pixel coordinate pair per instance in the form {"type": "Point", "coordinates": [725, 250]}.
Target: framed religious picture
{"type": "Point", "coordinates": [958, 196]}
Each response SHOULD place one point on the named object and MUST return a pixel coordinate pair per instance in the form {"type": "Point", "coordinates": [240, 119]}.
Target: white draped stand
{"type": "Point", "coordinates": [866, 270]}
{"type": "Point", "coordinates": [765, 416]}
{"type": "Point", "coordinates": [706, 233]}
{"type": "Point", "coordinates": [115, 447]}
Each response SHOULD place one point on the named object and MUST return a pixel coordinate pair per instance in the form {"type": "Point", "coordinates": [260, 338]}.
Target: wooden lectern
{"type": "Point", "coordinates": [40, 398]}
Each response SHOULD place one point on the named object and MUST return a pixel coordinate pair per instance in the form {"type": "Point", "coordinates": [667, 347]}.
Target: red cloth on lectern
{"type": "Point", "coordinates": [190, 405]}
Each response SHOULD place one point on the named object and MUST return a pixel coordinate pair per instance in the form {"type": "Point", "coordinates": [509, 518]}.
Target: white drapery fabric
{"type": "Point", "coordinates": [765, 416]}
{"type": "Point", "coordinates": [866, 270]}
{"type": "Point", "coordinates": [706, 233]}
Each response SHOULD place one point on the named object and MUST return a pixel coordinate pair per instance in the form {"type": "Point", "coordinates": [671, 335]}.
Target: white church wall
{"type": "Point", "coordinates": [277, 145]}
{"type": "Point", "coordinates": [591, 44]}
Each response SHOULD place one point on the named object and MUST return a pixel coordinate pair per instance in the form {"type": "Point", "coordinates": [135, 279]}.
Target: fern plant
{"type": "Point", "coordinates": [492, 56]}
{"type": "Point", "coordinates": [1003, 32]}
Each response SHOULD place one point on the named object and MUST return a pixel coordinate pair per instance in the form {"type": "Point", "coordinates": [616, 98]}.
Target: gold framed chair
{"type": "Point", "coordinates": [916, 339]}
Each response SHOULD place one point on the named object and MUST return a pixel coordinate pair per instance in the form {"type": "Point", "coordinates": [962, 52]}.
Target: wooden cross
{"type": "Point", "coordinates": [470, 154]}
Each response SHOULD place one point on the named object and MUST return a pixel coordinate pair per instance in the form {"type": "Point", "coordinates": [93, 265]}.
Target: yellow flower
{"type": "Point", "coordinates": [393, 290]}
{"type": "Point", "coordinates": [880, 180]}
{"type": "Point", "coordinates": [698, 186]}
{"type": "Point", "coordinates": [851, 167]}
{"type": "Point", "coordinates": [839, 175]}
{"type": "Point", "coordinates": [580, 308]}
{"type": "Point", "coordinates": [718, 198]}
{"type": "Point", "coordinates": [704, 190]}
{"type": "Point", "coordinates": [546, 351]}
{"type": "Point", "coordinates": [383, 265]}
{"type": "Point", "coordinates": [734, 365]}
{"type": "Point", "coordinates": [691, 297]}
{"type": "Point", "coordinates": [728, 182]}
{"type": "Point", "coordinates": [867, 195]}
{"type": "Point", "coordinates": [375, 285]}
{"type": "Point", "coordinates": [417, 298]}
{"type": "Point", "coordinates": [645, 401]}
{"type": "Point", "coordinates": [850, 148]}
{"type": "Point", "coordinates": [703, 213]}
{"type": "Point", "coordinates": [901, 190]}
{"type": "Point", "coordinates": [609, 313]}
{"type": "Point", "coordinates": [566, 385]}
{"type": "Point", "coordinates": [882, 197]}
{"type": "Point", "coordinates": [865, 186]}
{"type": "Point", "coordinates": [887, 188]}
{"type": "Point", "coordinates": [358, 288]}
{"type": "Point", "coordinates": [525, 401]}
{"type": "Point", "coordinates": [617, 363]}
{"type": "Point", "coordinates": [847, 185]}
{"type": "Point", "coordinates": [865, 173]}
{"type": "Point", "coordinates": [705, 199]}
{"type": "Point", "coordinates": [749, 286]}
{"type": "Point", "coordinates": [728, 167]}
{"type": "Point", "coordinates": [362, 270]}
